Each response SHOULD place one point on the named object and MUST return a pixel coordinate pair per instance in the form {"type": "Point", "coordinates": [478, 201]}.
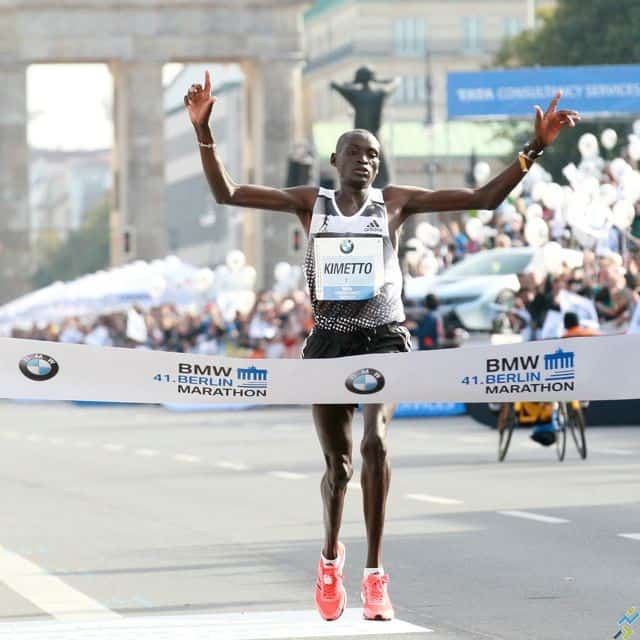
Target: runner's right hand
{"type": "Point", "coordinates": [199, 102]}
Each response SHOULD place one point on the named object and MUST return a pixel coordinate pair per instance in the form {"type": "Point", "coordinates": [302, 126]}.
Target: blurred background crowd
{"type": "Point", "coordinates": [547, 249]}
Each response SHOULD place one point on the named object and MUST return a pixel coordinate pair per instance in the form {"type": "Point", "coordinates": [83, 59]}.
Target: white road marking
{"type": "Point", "coordinates": [113, 447]}
{"type": "Point", "coordinates": [233, 466]}
{"type": "Point", "coordinates": [46, 592]}
{"type": "Point", "coordinates": [146, 453]}
{"type": "Point", "coordinates": [185, 457]}
{"type": "Point", "coordinates": [613, 452]}
{"type": "Point", "coordinates": [423, 497]}
{"type": "Point", "coordinates": [534, 516]}
{"type": "Point", "coordinates": [631, 536]}
{"type": "Point", "coordinates": [276, 625]}
{"type": "Point", "coordinates": [287, 475]}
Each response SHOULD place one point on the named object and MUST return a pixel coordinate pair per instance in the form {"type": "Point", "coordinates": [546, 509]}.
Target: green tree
{"type": "Point", "coordinates": [86, 250]}
{"type": "Point", "coordinates": [578, 33]}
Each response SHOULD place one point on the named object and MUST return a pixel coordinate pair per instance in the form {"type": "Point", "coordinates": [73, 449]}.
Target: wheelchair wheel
{"type": "Point", "coordinates": [575, 418]}
{"type": "Point", "coordinates": [506, 424]}
{"type": "Point", "coordinates": [561, 433]}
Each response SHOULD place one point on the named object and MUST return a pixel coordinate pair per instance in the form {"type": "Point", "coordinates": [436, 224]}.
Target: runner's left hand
{"type": "Point", "coordinates": [550, 122]}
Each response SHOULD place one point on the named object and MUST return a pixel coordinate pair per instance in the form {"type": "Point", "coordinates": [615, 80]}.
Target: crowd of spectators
{"type": "Point", "coordinates": [274, 328]}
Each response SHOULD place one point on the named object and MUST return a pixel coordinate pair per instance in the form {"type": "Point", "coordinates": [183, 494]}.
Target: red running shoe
{"type": "Point", "coordinates": [331, 597]}
{"type": "Point", "coordinates": [375, 598]}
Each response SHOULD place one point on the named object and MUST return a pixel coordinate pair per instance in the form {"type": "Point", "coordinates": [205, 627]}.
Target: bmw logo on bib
{"type": "Point", "coordinates": [365, 381]}
{"type": "Point", "coordinates": [346, 246]}
{"type": "Point", "coordinates": [38, 366]}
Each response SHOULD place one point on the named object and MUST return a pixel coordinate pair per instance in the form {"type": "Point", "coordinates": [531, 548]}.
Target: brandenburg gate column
{"type": "Point", "coordinates": [15, 254]}
{"type": "Point", "coordinates": [275, 126]}
{"type": "Point", "coordinates": [138, 217]}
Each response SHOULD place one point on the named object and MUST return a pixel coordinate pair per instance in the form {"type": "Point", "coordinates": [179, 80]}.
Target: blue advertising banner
{"type": "Point", "coordinates": [594, 91]}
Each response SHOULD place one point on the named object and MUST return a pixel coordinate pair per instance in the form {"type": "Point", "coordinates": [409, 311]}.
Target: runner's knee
{"type": "Point", "coordinates": [373, 448]}
{"type": "Point", "coordinates": [339, 471]}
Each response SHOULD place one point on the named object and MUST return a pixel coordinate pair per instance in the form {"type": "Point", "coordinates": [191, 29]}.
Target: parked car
{"type": "Point", "coordinates": [468, 290]}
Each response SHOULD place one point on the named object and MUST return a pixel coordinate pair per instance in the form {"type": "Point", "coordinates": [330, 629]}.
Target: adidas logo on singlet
{"type": "Point", "coordinates": [373, 226]}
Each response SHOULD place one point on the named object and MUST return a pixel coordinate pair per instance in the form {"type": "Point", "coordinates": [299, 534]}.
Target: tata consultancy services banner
{"type": "Point", "coordinates": [597, 90]}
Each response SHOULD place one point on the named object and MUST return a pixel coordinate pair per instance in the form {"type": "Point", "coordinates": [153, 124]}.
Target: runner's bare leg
{"type": "Point", "coordinates": [376, 476]}
{"type": "Point", "coordinates": [333, 425]}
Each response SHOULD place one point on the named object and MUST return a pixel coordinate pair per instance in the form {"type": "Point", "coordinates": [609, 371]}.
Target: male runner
{"type": "Point", "coordinates": [362, 316]}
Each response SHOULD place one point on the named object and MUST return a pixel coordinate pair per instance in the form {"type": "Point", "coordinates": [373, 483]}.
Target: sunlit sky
{"type": "Point", "coordinates": [69, 105]}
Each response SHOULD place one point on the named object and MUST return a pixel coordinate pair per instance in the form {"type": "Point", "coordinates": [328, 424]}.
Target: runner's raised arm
{"type": "Point", "coordinates": [410, 200]}
{"type": "Point", "coordinates": [299, 200]}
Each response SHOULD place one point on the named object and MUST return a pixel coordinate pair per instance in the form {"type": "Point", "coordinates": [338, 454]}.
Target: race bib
{"type": "Point", "coordinates": [348, 267]}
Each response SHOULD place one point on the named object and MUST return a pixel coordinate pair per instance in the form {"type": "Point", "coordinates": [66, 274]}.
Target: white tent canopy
{"type": "Point", "coordinates": [142, 283]}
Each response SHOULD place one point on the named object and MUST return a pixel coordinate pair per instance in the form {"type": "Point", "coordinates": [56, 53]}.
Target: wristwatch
{"type": "Point", "coordinates": [530, 153]}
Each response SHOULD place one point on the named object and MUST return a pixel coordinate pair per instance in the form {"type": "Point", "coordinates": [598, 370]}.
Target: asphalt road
{"type": "Point", "coordinates": [131, 516]}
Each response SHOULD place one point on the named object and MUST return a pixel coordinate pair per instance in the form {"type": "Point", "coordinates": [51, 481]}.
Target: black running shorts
{"type": "Point", "coordinates": [387, 338]}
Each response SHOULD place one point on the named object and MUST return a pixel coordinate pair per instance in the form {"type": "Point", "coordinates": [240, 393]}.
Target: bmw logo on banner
{"type": "Point", "coordinates": [38, 366]}
{"type": "Point", "coordinates": [365, 381]}
{"type": "Point", "coordinates": [346, 246]}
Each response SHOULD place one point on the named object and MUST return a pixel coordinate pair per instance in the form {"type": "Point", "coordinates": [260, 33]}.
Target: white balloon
{"type": "Point", "coordinates": [552, 257]}
{"type": "Point", "coordinates": [429, 264]}
{"type": "Point", "coordinates": [536, 232]}
{"type": "Point", "coordinates": [203, 280]}
{"type": "Point", "coordinates": [572, 174]}
{"type": "Point", "coordinates": [428, 234]}
{"type": "Point", "coordinates": [481, 172]}
{"type": "Point", "coordinates": [592, 167]}
{"type": "Point", "coordinates": [630, 184]}
{"type": "Point", "coordinates": [474, 229]}
{"type": "Point", "coordinates": [235, 260]}
{"type": "Point", "coordinates": [597, 219]}
{"type": "Point", "coordinates": [222, 276]}
{"type": "Point", "coordinates": [485, 215]}
{"type": "Point", "coordinates": [588, 145]}
{"type": "Point", "coordinates": [618, 168]}
{"type": "Point", "coordinates": [608, 193]}
{"type": "Point", "coordinates": [538, 191]}
{"type": "Point", "coordinates": [248, 277]}
{"type": "Point", "coordinates": [534, 211]}
{"type": "Point", "coordinates": [553, 196]}
{"type": "Point", "coordinates": [623, 214]}
{"type": "Point", "coordinates": [517, 191]}
{"type": "Point", "coordinates": [634, 148]}
{"type": "Point", "coordinates": [585, 240]}
{"type": "Point", "coordinates": [516, 220]}
{"type": "Point", "coordinates": [281, 271]}
{"type": "Point", "coordinates": [609, 138]}
{"type": "Point", "coordinates": [590, 187]}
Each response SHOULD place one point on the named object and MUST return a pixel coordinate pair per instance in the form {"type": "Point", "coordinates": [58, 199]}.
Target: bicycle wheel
{"type": "Point", "coordinates": [575, 418]}
{"type": "Point", "coordinates": [506, 419]}
{"type": "Point", "coordinates": [561, 433]}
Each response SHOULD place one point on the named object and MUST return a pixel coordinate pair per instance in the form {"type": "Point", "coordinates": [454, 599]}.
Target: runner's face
{"type": "Point", "coordinates": [357, 161]}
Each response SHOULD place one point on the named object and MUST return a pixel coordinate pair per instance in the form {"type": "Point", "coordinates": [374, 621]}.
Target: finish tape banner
{"type": "Point", "coordinates": [599, 368]}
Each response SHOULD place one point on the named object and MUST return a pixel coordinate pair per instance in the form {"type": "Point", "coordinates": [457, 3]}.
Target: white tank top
{"type": "Point", "coordinates": [382, 304]}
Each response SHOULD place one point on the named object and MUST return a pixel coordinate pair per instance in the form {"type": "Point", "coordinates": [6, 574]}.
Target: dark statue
{"type": "Point", "coordinates": [367, 95]}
